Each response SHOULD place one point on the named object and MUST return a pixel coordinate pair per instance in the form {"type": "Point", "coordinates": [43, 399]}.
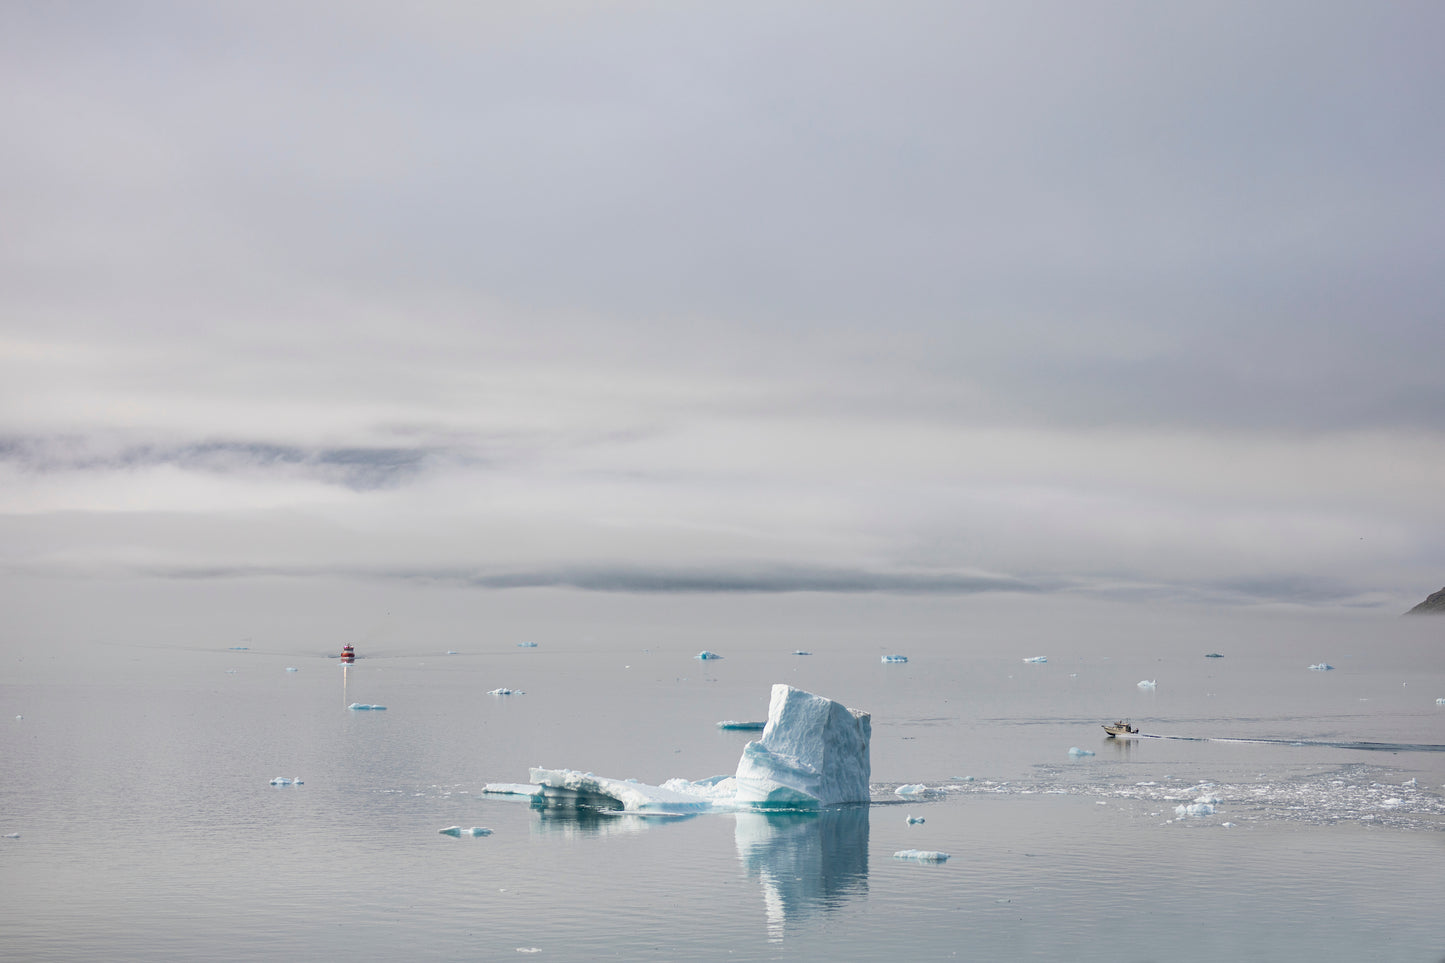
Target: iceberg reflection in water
{"type": "Point", "coordinates": [806, 861]}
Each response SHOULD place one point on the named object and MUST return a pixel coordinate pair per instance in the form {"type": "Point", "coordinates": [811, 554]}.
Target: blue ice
{"type": "Point", "coordinates": [1076, 751]}
{"type": "Point", "coordinates": [363, 707]}
{"type": "Point", "coordinates": [705, 655]}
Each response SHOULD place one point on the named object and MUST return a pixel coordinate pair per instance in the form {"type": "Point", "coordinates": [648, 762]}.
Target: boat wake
{"type": "Point", "coordinates": [1328, 744]}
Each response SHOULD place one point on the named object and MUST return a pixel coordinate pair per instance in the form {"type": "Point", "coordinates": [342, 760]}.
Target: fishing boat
{"type": "Point", "coordinates": [348, 654]}
{"type": "Point", "coordinates": [1120, 729]}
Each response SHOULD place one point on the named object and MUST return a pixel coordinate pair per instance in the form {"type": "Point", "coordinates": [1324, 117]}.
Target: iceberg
{"type": "Point", "coordinates": [895, 658]}
{"type": "Point", "coordinates": [505, 691]}
{"type": "Point", "coordinates": [1036, 658]}
{"type": "Point", "coordinates": [813, 754]}
{"type": "Point", "coordinates": [705, 655]}
{"type": "Point", "coordinates": [1195, 809]}
{"type": "Point", "coordinates": [1148, 683]}
{"type": "Point", "coordinates": [735, 724]}
{"type": "Point", "coordinates": [1076, 751]}
{"type": "Point", "coordinates": [914, 819]}
{"type": "Point", "coordinates": [285, 781]}
{"type": "Point", "coordinates": [922, 855]}
{"type": "Point", "coordinates": [526, 645]}
{"type": "Point", "coordinates": [1322, 667]}
{"type": "Point", "coordinates": [363, 707]}
{"type": "Point", "coordinates": [912, 789]}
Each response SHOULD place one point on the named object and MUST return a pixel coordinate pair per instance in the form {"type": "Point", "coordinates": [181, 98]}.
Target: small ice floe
{"type": "Point", "coordinates": [1213, 655]}
{"type": "Point", "coordinates": [526, 645]}
{"type": "Point", "coordinates": [505, 691]}
{"type": "Point", "coordinates": [922, 855]}
{"type": "Point", "coordinates": [1227, 825]}
{"type": "Point", "coordinates": [285, 781]}
{"type": "Point", "coordinates": [1195, 809]}
{"type": "Point", "coordinates": [1438, 702]}
{"type": "Point", "coordinates": [895, 658]}
{"type": "Point", "coordinates": [451, 651]}
{"type": "Point", "coordinates": [529, 949]}
{"type": "Point", "coordinates": [705, 655]}
{"type": "Point", "coordinates": [801, 652]}
{"type": "Point", "coordinates": [1321, 667]}
{"type": "Point", "coordinates": [292, 668]}
{"type": "Point", "coordinates": [366, 707]}
{"type": "Point", "coordinates": [750, 726]}
{"type": "Point", "coordinates": [1208, 799]}
{"type": "Point", "coordinates": [1036, 658]}
{"type": "Point", "coordinates": [1076, 751]}
{"type": "Point", "coordinates": [1148, 683]}
{"type": "Point", "coordinates": [12, 835]}
{"type": "Point", "coordinates": [239, 648]}
{"type": "Point", "coordinates": [1410, 783]}
{"type": "Point", "coordinates": [912, 789]}
{"type": "Point", "coordinates": [912, 820]}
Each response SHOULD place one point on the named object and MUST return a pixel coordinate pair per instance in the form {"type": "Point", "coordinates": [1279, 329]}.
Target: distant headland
{"type": "Point", "coordinates": [1434, 605]}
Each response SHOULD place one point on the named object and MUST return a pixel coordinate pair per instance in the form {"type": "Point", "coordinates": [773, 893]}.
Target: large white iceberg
{"type": "Point", "coordinates": [813, 753]}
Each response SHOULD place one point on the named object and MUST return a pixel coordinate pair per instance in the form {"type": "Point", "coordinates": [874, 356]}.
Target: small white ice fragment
{"type": "Point", "coordinates": [1195, 809]}
{"type": "Point", "coordinates": [1036, 658]}
{"type": "Point", "coordinates": [914, 819]}
{"type": "Point", "coordinates": [505, 691]}
{"type": "Point", "coordinates": [923, 855]}
{"type": "Point", "coordinates": [705, 655]}
{"type": "Point", "coordinates": [292, 668]}
{"type": "Point", "coordinates": [912, 789]}
{"type": "Point", "coordinates": [526, 645]}
{"type": "Point", "coordinates": [284, 781]}
{"type": "Point", "coordinates": [801, 652]}
{"type": "Point", "coordinates": [12, 835]}
{"type": "Point", "coordinates": [529, 949]}
{"type": "Point", "coordinates": [895, 658]}
{"type": "Point", "coordinates": [364, 707]}
{"type": "Point", "coordinates": [1148, 683]}
{"type": "Point", "coordinates": [1321, 667]}
{"type": "Point", "coordinates": [1076, 751]}
{"type": "Point", "coordinates": [451, 831]}
{"type": "Point", "coordinates": [1438, 702]}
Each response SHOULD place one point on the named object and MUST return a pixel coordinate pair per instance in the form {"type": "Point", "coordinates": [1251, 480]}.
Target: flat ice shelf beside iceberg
{"type": "Point", "coordinates": [814, 752]}
{"type": "Point", "coordinates": [626, 793]}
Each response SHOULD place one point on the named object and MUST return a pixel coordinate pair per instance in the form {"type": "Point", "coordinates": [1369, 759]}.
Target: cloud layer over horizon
{"type": "Point", "coordinates": [1126, 300]}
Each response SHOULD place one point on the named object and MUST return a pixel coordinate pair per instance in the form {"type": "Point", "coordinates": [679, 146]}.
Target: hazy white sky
{"type": "Point", "coordinates": [1124, 299]}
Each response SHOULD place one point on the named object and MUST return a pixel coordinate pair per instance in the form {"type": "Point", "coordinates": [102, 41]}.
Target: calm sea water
{"type": "Point", "coordinates": [137, 766]}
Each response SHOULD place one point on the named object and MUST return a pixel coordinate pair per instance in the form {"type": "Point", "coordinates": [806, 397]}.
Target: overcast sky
{"type": "Point", "coordinates": [1120, 299]}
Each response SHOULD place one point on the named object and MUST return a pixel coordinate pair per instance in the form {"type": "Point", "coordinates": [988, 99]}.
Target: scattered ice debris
{"type": "Point", "coordinates": [1195, 809]}
{"type": "Point", "coordinates": [1076, 751]}
{"type": "Point", "coordinates": [505, 691]}
{"type": "Point", "coordinates": [364, 707]}
{"type": "Point", "coordinates": [1036, 658]}
{"type": "Point", "coordinates": [1148, 683]}
{"type": "Point", "coordinates": [705, 655]}
{"type": "Point", "coordinates": [285, 781]}
{"type": "Point", "coordinates": [895, 658]}
{"type": "Point", "coordinates": [1322, 667]}
{"type": "Point", "coordinates": [526, 645]}
{"type": "Point", "coordinates": [922, 855]}
{"type": "Point", "coordinates": [912, 789]}
{"type": "Point", "coordinates": [1214, 655]}
{"type": "Point", "coordinates": [734, 724]}
{"type": "Point", "coordinates": [914, 819]}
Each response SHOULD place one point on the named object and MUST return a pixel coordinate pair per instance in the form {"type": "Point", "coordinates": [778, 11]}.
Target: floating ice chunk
{"type": "Point", "coordinates": [477, 831]}
{"type": "Point", "coordinates": [814, 752]}
{"type": "Point", "coordinates": [451, 831]}
{"type": "Point", "coordinates": [1208, 799]}
{"type": "Point", "coordinates": [1438, 702]}
{"type": "Point", "coordinates": [1227, 825]}
{"type": "Point", "coordinates": [285, 781]}
{"type": "Point", "coordinates": [914, 819]}
{"type": "Point", "coordinates": [734, 724]}
{"type": "Point", "coordinates": [12, 835]}
{"type": "Point", "coordinates": [1322, 667]}
{"type": "Point", "coordinates": [512, 789]}
{"type": "Point", "coordinates": [922, 855]}
{"type": "Point", "coordinates": [529, 949]}
{"type": "Point", "coordinates": [801, 652]}
{"type": "Point", "coordinates": [705, 655]}
{"type": "Point", "coordinates": [364, 707]}
{"type": "Point", "coordinates": [1214, 655]}
{"type": "Point", "coordinates": [292, 668]}
{"type": "Point", "coordinates": [895, 658]}
{"type": "Point", "coordinates": [912, 789]}
{"type": "Point", "coordinates": [628, 794]}
{"type": "Point", "coordinates": [1195, 809]}
{"type": "Point", "coordinates": [526, 645]}
{"type": "Point", "coordinates": [1076, 751]}
{"type": "Point", "coordinates": [1148, 683]}
{"type": "Point", "coordinates": [239, 648]}
{"type": "Point", "coordinates": [1036, 658]}
{"type": "Point", "coordinates": [505, 691]}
